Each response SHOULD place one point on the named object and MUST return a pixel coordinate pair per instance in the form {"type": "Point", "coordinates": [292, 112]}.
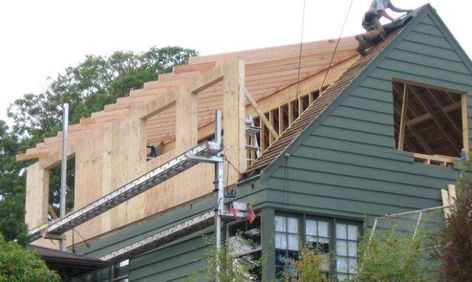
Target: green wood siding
{"type": "Point", "coordinates": [345, 163]}
{"type": "Point", "coordinates": [173, 263]}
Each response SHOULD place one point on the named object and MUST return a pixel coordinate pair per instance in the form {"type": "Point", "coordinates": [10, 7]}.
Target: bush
{"type": "Point", "coordinates": [19, 264]}
{"type": "Point", "coordinates": [309, 266]}
{"type": "Point", "coordinates": [395, 256]}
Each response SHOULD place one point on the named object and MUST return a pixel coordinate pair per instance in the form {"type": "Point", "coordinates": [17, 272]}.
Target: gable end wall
{"type": "Point", "coordinates": [345, 164]}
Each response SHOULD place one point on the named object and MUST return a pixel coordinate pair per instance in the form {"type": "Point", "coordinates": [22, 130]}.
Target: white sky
{"type": "Point", "coordinates": [38, 39]}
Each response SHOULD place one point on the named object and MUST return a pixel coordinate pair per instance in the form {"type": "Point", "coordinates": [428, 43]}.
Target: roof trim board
{"type": "Point", "coordinates": [452, 40]}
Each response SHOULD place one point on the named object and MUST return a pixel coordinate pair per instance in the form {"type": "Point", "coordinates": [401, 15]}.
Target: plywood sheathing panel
{"type": "Point", "coordinates": [37, 195]}
{"type": "Point", "coordinates": [234, 113]}
{"type": "Point", "coordinates": [91, 174]}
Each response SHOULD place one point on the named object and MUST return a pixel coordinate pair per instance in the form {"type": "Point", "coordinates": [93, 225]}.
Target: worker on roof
{"type": "Point", "coordinates": [371, 23]}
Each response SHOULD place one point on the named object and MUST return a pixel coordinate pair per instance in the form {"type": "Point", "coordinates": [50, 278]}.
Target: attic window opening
{"type": "Point", "coordinates": [55, 189]}
{"type": "Point", "coordinates": [430, 122]}
{"type": "Point", "coordinates": [160, 133]}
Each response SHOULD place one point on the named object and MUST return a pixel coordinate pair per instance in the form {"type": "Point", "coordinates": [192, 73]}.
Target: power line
{"type": "Point", "coordinates": [301, 47]}
{"type": "Point", "coordinates": [336, 47]}
{"type": "Point", "coordinates": [232, 165]}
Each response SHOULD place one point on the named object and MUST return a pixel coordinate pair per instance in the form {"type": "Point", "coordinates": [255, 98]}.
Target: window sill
{"type": "Point", "coordinates": [436, 160]}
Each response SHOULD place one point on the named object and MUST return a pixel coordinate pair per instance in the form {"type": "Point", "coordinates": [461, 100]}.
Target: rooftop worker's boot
{"type": "Point", "coordinates": [363, 44]}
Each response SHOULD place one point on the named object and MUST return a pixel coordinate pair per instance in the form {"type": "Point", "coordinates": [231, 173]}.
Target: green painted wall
{"type": "Point", "coordinates": [345, 163]}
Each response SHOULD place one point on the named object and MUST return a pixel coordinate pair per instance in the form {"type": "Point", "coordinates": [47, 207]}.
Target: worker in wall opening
{"type": "Point", "coordinates": [371, 23]}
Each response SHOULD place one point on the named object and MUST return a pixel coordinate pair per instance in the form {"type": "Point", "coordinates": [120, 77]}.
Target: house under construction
{"type": "Point", "coordinates": [317, 142]}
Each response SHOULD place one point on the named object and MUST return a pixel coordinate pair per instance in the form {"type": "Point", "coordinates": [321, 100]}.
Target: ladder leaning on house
{"type": "Point", "coordinates": [252, 144]}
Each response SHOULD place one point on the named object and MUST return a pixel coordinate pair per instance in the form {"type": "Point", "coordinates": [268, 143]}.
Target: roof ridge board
{"type": "Point", "coordinates": [295, 66]}
{"type": "Point", "coordinates": [268, 52]}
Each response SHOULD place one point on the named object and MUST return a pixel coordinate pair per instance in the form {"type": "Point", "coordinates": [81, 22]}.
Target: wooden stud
{"type": "Point", "coordinates": [263, 137]}
{"type": "Point", "coordinates": [186, 126]}
{"type": "Point", "coordinates": [234, 118]}
{"type": "Point", "coordinates": [37, 195]}
{"type": "Point", "coordinates": [263, 118]}
{"type": "Point", "coordinates": [281, 120]}
{"type": "Point", "coordinates": [408, 143]}
{"type": "Point", "coordinates": [445, 202]}
{"type": "Point", "coordinates": [451, 190]}
{"type": "Point", "coordinates": [300, 106]}
{"type": "Point", "coordinates": [271, 122]}
{"type": "Point", "coordinates": [291, 116]}
{"type": "Point", "coordinates": [423, 118]}
{"type": "Point", "coordinates": [403, 119]}
{"type": "Point", "coordinates": [465, 124]}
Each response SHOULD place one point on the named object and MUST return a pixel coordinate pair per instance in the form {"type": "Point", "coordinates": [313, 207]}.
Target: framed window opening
{"type": "Point", "coordinates": [431, 122]}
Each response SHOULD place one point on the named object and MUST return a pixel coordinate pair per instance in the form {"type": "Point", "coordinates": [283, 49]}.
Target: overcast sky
{"type": "Point", "coordinates": [38, 39]}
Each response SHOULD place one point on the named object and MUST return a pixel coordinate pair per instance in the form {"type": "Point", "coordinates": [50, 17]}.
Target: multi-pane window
{"type": "Point", "coordinates": [286, 244]}
{"type": "Point", "coordinates": [317, 237]}
{"type": "Point", "coordinates": [333, 238]}
{"type": "Point", "coordinates": [346, 250]}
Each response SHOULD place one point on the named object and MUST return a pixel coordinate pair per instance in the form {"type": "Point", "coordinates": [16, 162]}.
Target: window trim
{"type": "Point", "coordinates": [464, 113]}
{"type": "Point", "coordinates": [331, 229]}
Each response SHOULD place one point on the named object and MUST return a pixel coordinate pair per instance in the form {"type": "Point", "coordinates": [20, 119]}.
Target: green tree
{"type": "Point", "coordinates": [12, 187]}
{"type": "Point", "coordinates": [87, 87]}
{"type": "Point", "coordinates": [19, 264]}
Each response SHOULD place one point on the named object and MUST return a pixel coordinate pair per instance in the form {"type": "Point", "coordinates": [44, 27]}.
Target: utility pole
{"type": "Point", "coordinates": [220, 197]}
{"type": "Point", "coordinates": [65, 129]}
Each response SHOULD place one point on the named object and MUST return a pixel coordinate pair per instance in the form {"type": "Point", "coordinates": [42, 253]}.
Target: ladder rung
{"type": "Point", "coordinates": [252, 130]}
{"type": "Point", "coordinates": [252, 147]}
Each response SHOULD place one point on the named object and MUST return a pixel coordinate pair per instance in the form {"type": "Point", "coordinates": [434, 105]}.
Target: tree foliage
{"type": "Point", "coordinates": [455, 256]}
{"type": "Point", "coordinates": [309, 266]}
{"type": "Point", "coordinates": [18, 264]}
{"type": "Point", "coordinates": [12, 188]}
{"type": "Point", "coordinates": [87, 87]}
{"type": "Point", "coordinates": [232, 268]}
{"type": "Point", "coordinates": [395, 257]}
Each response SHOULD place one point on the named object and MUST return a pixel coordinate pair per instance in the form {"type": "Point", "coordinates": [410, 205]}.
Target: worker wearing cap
{"type": "Point", "coordinates": [371, 22]}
